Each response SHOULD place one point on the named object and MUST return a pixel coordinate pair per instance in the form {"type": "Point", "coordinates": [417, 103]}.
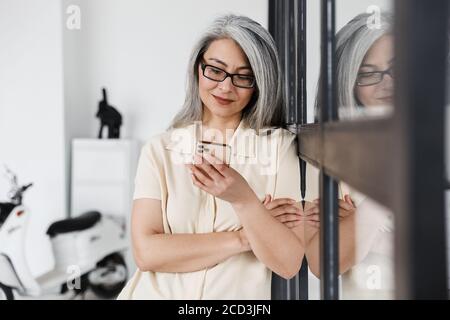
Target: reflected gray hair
{"type": "Point", "coordinates": [267, 105]}
{"type": "Point", "coordinates": [352, 43]}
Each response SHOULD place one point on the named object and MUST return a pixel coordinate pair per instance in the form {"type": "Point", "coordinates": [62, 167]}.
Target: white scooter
{"type": "Point", "coordinates": [88, 252]}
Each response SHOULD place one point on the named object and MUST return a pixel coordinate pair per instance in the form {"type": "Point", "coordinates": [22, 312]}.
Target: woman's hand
{"type": "Point", "coordinates": [346, 208]}
{"type": "Point", "coordinates": [312, 213]}
{"type": "Point", "coordinates": [213, 176]}
{"type": "Point", "coordinates": [284, 210]}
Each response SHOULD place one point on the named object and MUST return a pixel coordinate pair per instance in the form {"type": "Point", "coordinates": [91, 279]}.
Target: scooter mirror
{"type": "Point", "coordinates": [11, 176]}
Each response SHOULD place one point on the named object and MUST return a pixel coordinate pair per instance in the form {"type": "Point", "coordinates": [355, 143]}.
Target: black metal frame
{"type": "Point", "coordinates": [287, 24]}
{"type": "Point", "coordinates": [399, 160]}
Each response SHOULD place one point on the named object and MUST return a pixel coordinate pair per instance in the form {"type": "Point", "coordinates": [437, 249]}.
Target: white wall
{"type": "Point", "coordinates": [31, 114]}
{"type": "Point", "coordinates": [139, 50]}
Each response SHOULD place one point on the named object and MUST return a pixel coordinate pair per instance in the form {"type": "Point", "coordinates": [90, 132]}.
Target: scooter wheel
{"type": "Point", "coordinates": [6, 293]}
{"type": "Point", "coordinates": [113, 266]}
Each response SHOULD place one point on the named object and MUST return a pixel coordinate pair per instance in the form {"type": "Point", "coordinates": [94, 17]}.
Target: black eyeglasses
{"type": "Point", "coordinates": [372, 78]}
{"type": "Point", "coordinates": [216, 74]}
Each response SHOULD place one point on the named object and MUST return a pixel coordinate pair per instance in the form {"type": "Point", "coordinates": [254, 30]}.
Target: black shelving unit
{"type": "Point", "coordinates": [399, 160]}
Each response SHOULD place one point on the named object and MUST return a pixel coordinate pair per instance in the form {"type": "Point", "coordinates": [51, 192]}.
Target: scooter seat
{"type": "Point", "coordinates": [82, 222]}
{"type": "Point", "coordinates": [5, 210]}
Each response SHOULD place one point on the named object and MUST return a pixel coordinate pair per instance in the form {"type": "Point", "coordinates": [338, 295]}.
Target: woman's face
{"type": "Point", "coordinates": [223, 99]}
{"type": "Point", "coordinates": [379, 58]}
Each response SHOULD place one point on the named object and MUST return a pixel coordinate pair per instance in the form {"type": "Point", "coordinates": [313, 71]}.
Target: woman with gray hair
{"type": "Point", "coordinates": [216, 201]}
{"type": "Point", "coordinates": [364, 77]}
{"type": "Point", "coordinates": [364, 66]}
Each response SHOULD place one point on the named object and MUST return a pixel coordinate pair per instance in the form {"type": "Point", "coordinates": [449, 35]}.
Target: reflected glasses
{"type": "Point", "coordinates": [372, 78]}
{"type": "Point", "coordinates": [219, 75]}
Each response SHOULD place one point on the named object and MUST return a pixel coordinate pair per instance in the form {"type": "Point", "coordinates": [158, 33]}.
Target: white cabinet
{"type": "Point", "coordinates": [102, 177]}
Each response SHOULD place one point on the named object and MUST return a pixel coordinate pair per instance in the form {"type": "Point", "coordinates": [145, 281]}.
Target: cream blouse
{"type": "Point", "coordinates": [268, 162]}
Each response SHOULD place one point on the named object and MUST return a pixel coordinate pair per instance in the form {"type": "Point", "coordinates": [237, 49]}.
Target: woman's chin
{"type": "Point", "coordinates": [221, 110]}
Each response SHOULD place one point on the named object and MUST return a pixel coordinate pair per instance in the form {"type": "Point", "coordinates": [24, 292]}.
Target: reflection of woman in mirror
{"type": "Point", "coordinates": [366, 84]}
{"type": "Point", "coordinates": [364, 73]}
{"type": "Point", "coordinates": [364, 67]}
{"type": "Point", "coordinates": [208, 230]}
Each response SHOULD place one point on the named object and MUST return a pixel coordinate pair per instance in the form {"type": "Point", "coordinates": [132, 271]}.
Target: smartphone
{"type": "Point", "coordinates": [219, 150]}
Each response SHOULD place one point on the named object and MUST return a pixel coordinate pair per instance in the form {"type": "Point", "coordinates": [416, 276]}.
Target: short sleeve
{"type": "Point", "coordinates": [287, 184]}
{"type": "Point", "coordinates": [147, 180]}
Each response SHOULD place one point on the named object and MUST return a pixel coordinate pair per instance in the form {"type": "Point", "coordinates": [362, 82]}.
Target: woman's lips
{"type": "Point", "coordinates": [386, 99]}
{"type": "Point", "coordinates": [222, 101]}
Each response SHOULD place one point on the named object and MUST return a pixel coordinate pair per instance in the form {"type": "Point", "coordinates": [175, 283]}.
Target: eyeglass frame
{"type": "Point", "coordinates": [227, 74]}
{"type": "Point", "coordinates": [382, 73]}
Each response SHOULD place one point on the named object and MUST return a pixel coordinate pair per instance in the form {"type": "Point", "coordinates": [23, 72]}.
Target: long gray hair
{"type": "Point", "coordinates": [352, 43]}
{"type": "Point", "coordinates": [267, 105]}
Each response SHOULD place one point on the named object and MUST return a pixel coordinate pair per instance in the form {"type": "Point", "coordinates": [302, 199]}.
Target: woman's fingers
{"type": "Point", "coordinates": [201, 177]}
{"type": "Point", "coordinates": [266, 199]}
{"type": "Point", "coordinates": [207, 168]}
{"type": "Point", "coordinates": [197, 182]}
{"type": "Point", "coordinates": [292, 224]}
{"type": "Point", "coordinates": [218, 165]}
{"type": "Point", "coordinates": [288, 217]}
{"type": "Point", "coordinates": [312, 217]}
{"type": "Point", "coordinates": [285, 209]}
{"type": "Point", "coordinates": [348, 199]}
{"type": "Point", "coordinates": [198, 174]}
{"type": "Point", "coordinates": [313, 224]}
{"type": "Point", "coordinates": [312, 210]}
{"type": "Point", "coordinates": [345, 205]}
{"type": "Point", "coordinates": [279, 202]}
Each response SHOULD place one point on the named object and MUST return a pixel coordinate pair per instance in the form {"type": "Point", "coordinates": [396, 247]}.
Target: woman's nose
{"type": "Point", "coordinates": [226, 85]}
{"type": "Point", "coordinates": [387, 82]}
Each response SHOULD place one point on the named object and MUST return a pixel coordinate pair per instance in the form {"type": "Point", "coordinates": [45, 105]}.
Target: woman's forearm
{"type": "Point", "coordinates": [273, 243]}
{"type": "Point", "coordinates": [186, 252]}
{"type": "Point", "coordinates": [346, 246]}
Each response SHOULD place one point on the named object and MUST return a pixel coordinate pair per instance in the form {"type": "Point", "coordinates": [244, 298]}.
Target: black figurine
{"type": "Point", "coordinates": [109, 117]}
